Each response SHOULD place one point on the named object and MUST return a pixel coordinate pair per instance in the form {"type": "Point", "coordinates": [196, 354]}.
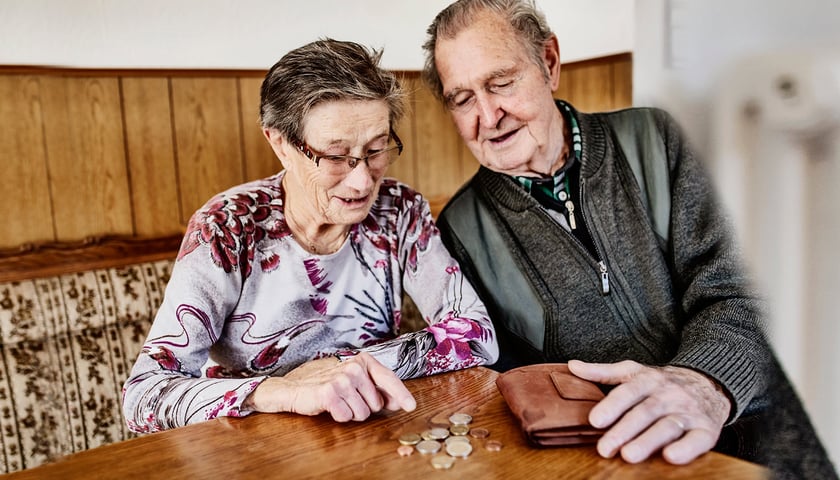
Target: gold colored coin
{"type": "Point", "coordinates": [479, 433]}
{"type": "Point", "coordinates": [426, 435]}
{"type": "Point", "coordinates": [442, 462]}
{"type": "Point", "coordinates": [438, 433]}
{"type": "Point", "coordinates": [459, 429]}
{"type": "Point", "coordinates": [405, 450]}
{"type": "Point", "coordinates": [410, 439]}
{"type": "Point", "coordinates": [460, 419]}
{"type": "Point", "coordinates": [427, 447]}
{"type": "Point", "coordinates": [493, 445]}
{"type": "Point", "coordinates": [459, 449]}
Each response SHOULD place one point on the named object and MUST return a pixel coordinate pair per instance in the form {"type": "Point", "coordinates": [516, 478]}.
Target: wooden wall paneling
{"type": "Point", "coordinates": [439, 167]}
{"type": "Point", "coordinates": [260, 161]}
{"type": "Point", "coordinates": [76, 163]}
{"type": "Point", "coordinates": [591, 87]}
{"type": "Point", "coordinates": [405, 168]}
{"type": "Point", "coordinates": [24, 178]}
{"type": "Point", "coordinates": [151, 156]}
{"type": "Point", "coordinates": [563, 87]}
{"type": "Point", "coordinates": [86, 156]}
{"type": "Point", "coordinates": [207, 139]}
{"type": "Point", "coordinates": [623, 82]}
{"type": "Point", "coordinates": [469, 164]}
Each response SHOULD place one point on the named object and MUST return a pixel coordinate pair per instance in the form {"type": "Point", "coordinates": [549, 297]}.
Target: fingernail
{"type": "Point", "coordinates": [631, 454]}
{"type": "Point", "coordinates": [605, 449]}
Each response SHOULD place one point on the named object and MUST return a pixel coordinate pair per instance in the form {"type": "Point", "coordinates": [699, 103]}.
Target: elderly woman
{"type": "Point", "coordinates": [292, 285]}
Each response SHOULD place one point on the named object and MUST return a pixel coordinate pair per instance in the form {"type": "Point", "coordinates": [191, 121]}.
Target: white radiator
{"type": "Point", "coordinates": [775, 156]}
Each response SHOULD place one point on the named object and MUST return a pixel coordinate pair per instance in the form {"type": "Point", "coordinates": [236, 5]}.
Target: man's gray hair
{"type": "Point", "coordinates": [525, 19]}
{"type": "Point", "coordinates": [323, 71]}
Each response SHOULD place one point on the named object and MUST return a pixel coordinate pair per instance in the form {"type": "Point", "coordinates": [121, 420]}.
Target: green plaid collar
{"type": "Point", "coordinates": [554, 185]}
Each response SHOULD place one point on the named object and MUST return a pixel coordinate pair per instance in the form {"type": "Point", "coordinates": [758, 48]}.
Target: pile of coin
{"type": "Point", "coordinates": [454, 441]}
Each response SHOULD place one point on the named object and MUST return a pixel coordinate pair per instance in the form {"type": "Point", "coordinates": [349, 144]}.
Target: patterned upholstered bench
{"type": "Point", "coordinates": [72, 321]}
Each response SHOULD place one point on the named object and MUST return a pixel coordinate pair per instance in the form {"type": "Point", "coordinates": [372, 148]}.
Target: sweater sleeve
{"type": "Point", "coordinates": [722, 326]}
{"type": "Point", "coordinates": [165, 388]}
{"type": "Point", "coordinates": [459, 332]}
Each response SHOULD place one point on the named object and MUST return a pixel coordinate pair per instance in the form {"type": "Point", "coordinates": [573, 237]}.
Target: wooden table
{"type": "Point", "coordinates": [266, 446]}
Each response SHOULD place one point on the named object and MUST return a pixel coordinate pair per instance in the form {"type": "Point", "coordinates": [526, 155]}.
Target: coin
{"type": "Point", "coordinates": [460, 419]}
{"type": "Point", "coordinates": [426, 435]}
{"type": "Point", "coordinates": [459, 449]}
{"type": "Point", "coordinates": [460, 438]}
{"type": "Point", "coordinates": [410, 439]}
{"type": "Point", "coordinates": [493, 445]}
{"type": "Point", "coordinates": [442, 462]}
{"type": "Point", "coordinates": [405, 450]}
{"type": "Point", "coordinates": [428, 446]}
{"type": "Point", "coordinates": [479, 433]}
{"type": "Point", "coordinates": [438, 433]}
{"type": "Point", "coordinates": [459, 429]}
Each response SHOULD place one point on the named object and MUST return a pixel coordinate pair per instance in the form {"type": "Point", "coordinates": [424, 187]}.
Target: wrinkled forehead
{"type": "Point", "coordinates": [477, 53]}
{"type": "Point", "coordinates": [351, 120]}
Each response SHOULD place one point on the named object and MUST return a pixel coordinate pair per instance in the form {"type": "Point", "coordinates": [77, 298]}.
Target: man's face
{"type": "Point", "coordinates": [500, 99]}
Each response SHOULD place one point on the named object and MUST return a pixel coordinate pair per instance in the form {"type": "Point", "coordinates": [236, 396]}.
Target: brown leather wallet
{"type": "Point", "coordinates": [551, 404]}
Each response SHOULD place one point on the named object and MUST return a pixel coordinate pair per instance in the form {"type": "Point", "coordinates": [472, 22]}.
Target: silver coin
{"type": "Point", "coordinates": [438, 433]}
{"type": "Point", "coordinates": [442, 462]}
{"type": "Point", "coordinates": [460, 419]}
{"type": "Point", "coordinates": [459, 438]}
{"type": "Point", "coordinates": [459, 449]}
{"type": "Point", "coordinates": [427, 447]}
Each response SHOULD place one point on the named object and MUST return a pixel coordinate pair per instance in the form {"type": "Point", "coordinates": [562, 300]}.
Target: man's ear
{"type": "Point", "coordinates": [551, 59]}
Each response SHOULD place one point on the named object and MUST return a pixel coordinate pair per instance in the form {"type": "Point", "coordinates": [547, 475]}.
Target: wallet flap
{"type": "Point", "coordinates": [571, 387]}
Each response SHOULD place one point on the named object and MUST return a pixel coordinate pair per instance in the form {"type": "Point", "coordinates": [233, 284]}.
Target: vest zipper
{"type": "Point", "coordinates": [605, 277]}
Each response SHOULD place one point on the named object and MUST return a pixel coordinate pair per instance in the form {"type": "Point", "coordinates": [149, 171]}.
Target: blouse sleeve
{"type": "Point", "coordinates": [459, 333]}
{"type": "Point", "coordinates": [165, 388]}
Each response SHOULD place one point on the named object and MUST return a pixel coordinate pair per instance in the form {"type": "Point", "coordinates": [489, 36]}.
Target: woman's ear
{"type": "Point", "coordinates": [278, 144]}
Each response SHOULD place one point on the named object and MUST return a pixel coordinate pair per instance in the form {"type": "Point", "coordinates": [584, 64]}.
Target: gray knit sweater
{"type": "Point", "coordinates": [684, 302]}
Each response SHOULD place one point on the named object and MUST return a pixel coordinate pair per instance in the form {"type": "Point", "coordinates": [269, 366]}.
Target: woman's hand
{"type": "Point", "coordinates": [349, 390]}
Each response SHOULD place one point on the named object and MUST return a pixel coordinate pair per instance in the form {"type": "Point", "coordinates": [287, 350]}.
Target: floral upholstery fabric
{"type": "Point", "coordinates": [67, 344]}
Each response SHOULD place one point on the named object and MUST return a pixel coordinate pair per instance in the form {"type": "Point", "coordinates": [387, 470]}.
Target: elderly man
{"type": "Point", "coordinates": [614, 259]}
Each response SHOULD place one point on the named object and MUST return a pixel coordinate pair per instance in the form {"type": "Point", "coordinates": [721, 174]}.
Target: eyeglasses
{"type": "Point", "coordinates": [337, 165]}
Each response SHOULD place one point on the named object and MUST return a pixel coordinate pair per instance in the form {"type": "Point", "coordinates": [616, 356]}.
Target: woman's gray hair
{"type": "Point", "coordinates": [527, 22]}
{"type": "Point", "coordinates": [323, 71]}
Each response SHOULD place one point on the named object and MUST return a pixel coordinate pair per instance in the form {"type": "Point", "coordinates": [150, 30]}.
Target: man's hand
{"type": "Point", "coordinates": [675, 409]}
{"type": "Point", "coordinates": [349, 390]}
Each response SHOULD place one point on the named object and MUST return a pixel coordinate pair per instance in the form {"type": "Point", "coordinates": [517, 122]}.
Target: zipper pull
{"type": "Point", "coordinates": [605, 278]}
{"type": "Point", "coordinates": [570, 207]}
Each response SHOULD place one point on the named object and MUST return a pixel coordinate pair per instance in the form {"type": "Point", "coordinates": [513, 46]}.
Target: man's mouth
{"type": "Point", "coordinates": [503, 138]}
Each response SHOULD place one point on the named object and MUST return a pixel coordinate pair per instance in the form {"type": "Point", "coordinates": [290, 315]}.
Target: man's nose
{"type": "Point", "coordinates": [489, 111]}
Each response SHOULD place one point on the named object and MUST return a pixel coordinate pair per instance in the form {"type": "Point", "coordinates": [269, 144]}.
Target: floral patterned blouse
{"type": "Point", "coordinates": [245, 295]}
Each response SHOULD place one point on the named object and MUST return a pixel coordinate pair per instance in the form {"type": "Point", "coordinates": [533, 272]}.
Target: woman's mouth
{"type": "Point", "coordinates": [354, 201]}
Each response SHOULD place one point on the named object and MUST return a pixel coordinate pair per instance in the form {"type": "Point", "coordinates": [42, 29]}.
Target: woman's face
{"type": "Point", "coordinates": [347, 127]}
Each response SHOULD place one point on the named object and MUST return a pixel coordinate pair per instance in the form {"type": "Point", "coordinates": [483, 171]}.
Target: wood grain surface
{"type": "Point", "coordinates": [267, 446]}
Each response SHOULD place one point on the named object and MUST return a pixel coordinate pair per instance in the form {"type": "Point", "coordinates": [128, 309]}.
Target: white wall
{"type": "Point", "coordinates": [711, 61]}
{"type": "Point", "coordinates": [253, 34]}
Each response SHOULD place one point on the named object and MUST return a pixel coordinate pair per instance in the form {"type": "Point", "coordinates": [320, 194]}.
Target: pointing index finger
{"type": "Point", "coordinates": [392, 389]}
